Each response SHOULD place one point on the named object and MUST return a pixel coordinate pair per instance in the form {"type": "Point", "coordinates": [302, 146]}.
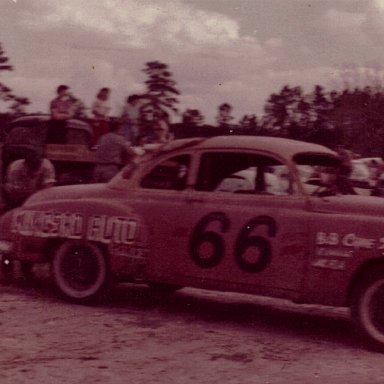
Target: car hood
{"type": "Point", "coordinates": [347, 204]}
{"type": "Point", "coordinates": [72, 192]}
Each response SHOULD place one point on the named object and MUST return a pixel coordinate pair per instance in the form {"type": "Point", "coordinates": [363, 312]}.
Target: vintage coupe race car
{"type": "Point", "coordinates": [229, 213]}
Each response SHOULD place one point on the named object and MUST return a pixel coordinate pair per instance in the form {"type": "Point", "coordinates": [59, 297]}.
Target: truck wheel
{"type": "Point", "coordinates": [367, 309]}
{"type": "Point", "coordinates": [79, 271]}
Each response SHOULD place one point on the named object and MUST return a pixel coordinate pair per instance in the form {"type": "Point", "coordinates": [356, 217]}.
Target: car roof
{"type": "Point", "coordinates": [286, 148]}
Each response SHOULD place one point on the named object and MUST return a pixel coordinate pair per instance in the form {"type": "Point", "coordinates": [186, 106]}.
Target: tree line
{"type": "Point", "coordinates": [353, 117]}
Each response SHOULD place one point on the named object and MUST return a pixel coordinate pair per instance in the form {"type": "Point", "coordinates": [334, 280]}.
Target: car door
{"type": "Point", "coordinates": [248, 240]}
{"type": "Point", "coordinates": [253, 240]}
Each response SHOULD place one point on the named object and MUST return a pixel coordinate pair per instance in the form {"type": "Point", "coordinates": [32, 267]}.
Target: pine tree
{"type": "Point", "coordinates": [161, 88]}
{"type": "Point", "coordinates": [5, 92]}
{"type": "Point", "coordinates": [6, 95]}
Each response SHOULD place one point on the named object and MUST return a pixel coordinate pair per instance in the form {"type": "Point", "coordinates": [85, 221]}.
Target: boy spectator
{"type": "Point", "coordinates": [100, 110]}
{"type": "Point", "coordinates": [130, 118]}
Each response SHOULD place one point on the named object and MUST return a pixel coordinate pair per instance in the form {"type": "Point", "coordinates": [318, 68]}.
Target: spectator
{"type": "Point", "coordinates": [342, 179]}
{"type": "Point", "coordinates": [62, 108]}
{"type": "Point", "coordinates": [100, 110]}
{"type": "Point", "coordinates": [154, 126]}
{"type": "Point", "coordinates": [334, 182]}
{"type": "Point", "coordinates": [376, 169]}
{"type": "Point", "coordinates": [130, 118]}
{"type": "Point", "coordinates": [26, 176]}
{"type": "Point", "coordinates": [161, 127]}
{"type": "Point", "coordinates": [112, 153]}
{"type": "Point", "coordinates": [346, 160]}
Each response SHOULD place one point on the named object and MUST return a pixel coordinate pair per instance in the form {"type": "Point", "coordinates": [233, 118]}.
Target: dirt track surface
{"type": "Point", "coordinates": [139, 336]}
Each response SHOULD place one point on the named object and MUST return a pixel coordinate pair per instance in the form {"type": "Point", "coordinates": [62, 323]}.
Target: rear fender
{"type": "Point", "coordinates": [35, 230]}
{"type": "Point", "coordinates": [361, 274]}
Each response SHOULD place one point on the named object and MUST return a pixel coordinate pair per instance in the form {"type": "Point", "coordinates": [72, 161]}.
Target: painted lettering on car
{"type": "Point", "coordinates": [349, 240]}
{"type": "Point", "coordinates": [99, 228]}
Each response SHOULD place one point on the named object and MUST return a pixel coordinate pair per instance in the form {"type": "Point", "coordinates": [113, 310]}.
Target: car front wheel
{"type": "Point", "coordinates": [79, 271]}
{"type": "Point", "coordinates": [368, 309]}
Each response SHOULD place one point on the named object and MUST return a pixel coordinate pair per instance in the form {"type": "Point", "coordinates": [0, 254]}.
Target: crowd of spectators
{"type": "Point", "coordinates": [140, 121]}
{"type": "Point", "coordinates": [115, 141]}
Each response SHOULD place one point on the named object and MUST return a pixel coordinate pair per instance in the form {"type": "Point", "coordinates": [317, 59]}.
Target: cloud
{"type": "Point", "coordinates": [134, 23]}
{"type": "Point", "coordinates": [89, 44]}
{"type": "Point", "coordinates": [274, 43]}
{"type": "Point", "coordinates": [353, 34]}
{"type": "Point", "coordinates": [375, 26]}
{"type": "Point", "coordinates": [342, 20]}
{"type": "Point", "coordinates": [364, 28]}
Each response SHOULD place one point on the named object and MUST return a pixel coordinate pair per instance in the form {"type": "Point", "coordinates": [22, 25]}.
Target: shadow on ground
{"type": "Point", "coordinates": [245, 312]}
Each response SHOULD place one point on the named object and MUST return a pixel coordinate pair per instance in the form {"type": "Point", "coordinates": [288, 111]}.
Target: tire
{"type": "Point", "coordinates": [367, 309]}
{"type": "Point", "coordinates": [80, 271]}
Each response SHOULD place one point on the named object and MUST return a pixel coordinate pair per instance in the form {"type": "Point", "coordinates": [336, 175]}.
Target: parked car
{"type": "Point", "coordinates": [163, 221]}
{"type": "Point", "coordinates": [73, 160]}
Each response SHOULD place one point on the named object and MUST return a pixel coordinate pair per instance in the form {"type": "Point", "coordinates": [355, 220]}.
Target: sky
{"type": "Point", "coordinates": [233, 51]}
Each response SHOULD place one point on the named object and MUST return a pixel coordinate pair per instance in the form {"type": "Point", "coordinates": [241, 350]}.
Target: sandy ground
{"type": "Point", "coordinates": [136, 335]}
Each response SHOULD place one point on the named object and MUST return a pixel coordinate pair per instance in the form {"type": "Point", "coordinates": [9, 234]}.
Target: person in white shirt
{"type": "Point", "coordinates": [27, 176]}
{"type": "Point", "coordinates": [100, 111]}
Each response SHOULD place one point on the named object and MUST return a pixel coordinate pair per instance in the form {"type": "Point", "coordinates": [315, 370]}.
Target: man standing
{"type": "Point", "coordinates": [62, 109]}
{"type": "Point", "coordinates": [112, 153]}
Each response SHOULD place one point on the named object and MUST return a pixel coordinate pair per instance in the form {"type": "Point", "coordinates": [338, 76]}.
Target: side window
{"type": "Point", "coordinates": [169, 174]}
{"type": "Point", "coordinates": [243, 173]}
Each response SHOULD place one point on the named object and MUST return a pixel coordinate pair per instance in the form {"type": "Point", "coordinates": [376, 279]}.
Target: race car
{"type": "Point", "coordinates": [174, 217]}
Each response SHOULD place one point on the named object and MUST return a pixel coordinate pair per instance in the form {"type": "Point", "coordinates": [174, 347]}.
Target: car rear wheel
{"type": "Point", "coordinates": [367, 309]}
{"type": "Point", "coordinates": [80, 271]}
